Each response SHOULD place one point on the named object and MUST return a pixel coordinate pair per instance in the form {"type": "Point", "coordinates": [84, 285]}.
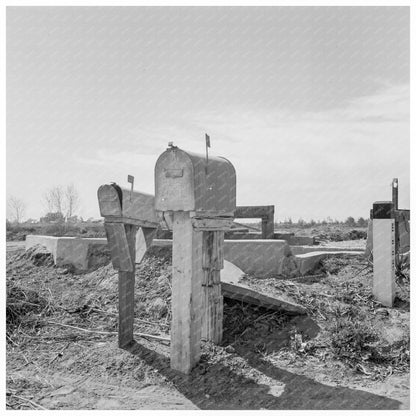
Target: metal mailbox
{"type": "Point", "coordinates": [186, 181]}
{"type": "Point", "coordinates": [117, 202]}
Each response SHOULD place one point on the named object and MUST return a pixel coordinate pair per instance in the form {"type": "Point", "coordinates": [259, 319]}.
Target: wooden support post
{"type": "Point", "coordinates": [186, 294]}
{"type": "Point", "coordinates": [212, 263]}
{"type": "Point", "coordinates": [395, 200]}
{"type": "Point", "coordinates": [267, 228]}
{"type": "Point", "coordinates": [384, 239]}
{"type": "Point", "coordinates": [126, 293]}
{"type": "Point", "coordinates": [395, 193]}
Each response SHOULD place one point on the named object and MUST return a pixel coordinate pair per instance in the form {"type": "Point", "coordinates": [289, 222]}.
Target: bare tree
{"type": "Point", "coordinates": [62, 201]}
{"type": "Point", "coordinates": [17, 208]}
{"type": "Point", "coordinates": [54, 199]}
{"type": "Point", "coordinates": [71, 200]}
{"type": "Point", "coordinates": [47, 200]}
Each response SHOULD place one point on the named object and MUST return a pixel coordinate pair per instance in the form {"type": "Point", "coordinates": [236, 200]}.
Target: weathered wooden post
{"type": "Point", "coordinates": [384, 252]}
{"type": "Point", "coordinates": [395, 193]}
{"type": "Point", "coordinates": [195, 197]}
{"type": "Point", "coordinates": [126, 213]}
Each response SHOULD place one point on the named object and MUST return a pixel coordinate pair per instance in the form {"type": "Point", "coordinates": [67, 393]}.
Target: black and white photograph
{"type": "Point", "coordinates": [207, 206]}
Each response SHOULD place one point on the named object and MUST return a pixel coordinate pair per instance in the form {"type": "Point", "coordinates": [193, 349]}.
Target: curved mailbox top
{"type": "Point", "coordinates": [115, 201]}
{"type": "Point", "coordinates": [184, 181]}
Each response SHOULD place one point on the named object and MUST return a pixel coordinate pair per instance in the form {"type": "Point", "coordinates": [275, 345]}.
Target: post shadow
{"type": "Point", "coordinates": [216, 386]}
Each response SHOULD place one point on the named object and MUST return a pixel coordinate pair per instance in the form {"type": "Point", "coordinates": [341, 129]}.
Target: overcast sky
{"type": "Point", "coordinates": [310, 104]}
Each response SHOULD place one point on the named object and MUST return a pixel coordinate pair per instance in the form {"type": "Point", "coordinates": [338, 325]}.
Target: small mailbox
{"type": "Point", "coordinates": [117, 202]}
{"type": "Point", "coordinates": [186, 181]}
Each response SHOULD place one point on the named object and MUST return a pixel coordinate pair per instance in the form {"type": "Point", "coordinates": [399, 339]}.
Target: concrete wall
{"type": "Point", "coordinates": [258, 257]}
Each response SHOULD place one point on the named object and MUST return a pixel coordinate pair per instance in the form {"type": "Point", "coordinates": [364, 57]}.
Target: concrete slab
{"type": "Point", "coordinates": [231, 273]}
{"type": "Point", "coordinates": [307, 262]}
{"type": "Point", "coordinates": [232, 288]}
{"type": "Point", "coordinates": [296, 250]}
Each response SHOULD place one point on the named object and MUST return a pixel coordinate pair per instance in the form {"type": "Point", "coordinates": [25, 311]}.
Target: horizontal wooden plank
{"type": "Point", "coordinates": [254, 211]}
{"type": "Point", "coordinates": [212, 224]}
{"type": "Point", "coordinates": [132, 221]}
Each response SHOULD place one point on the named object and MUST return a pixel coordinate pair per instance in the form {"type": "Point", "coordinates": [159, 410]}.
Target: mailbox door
{"type": "Point", "coordinates": [109, 200]}
{"type": "Point", "coordinates": [174, 185]}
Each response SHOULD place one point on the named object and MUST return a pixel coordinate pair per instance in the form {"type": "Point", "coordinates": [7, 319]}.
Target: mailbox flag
{"type": "Point", "coordinates": [207, 140]}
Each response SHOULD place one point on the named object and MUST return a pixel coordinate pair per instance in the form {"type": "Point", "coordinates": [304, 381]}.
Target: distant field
{"type": "Point", "coordinates": [331, 232]}
{"type": "Point", "coordinates": [19, 232]}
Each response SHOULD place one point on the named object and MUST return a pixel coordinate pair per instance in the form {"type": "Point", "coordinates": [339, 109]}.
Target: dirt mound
{"type": "Point", "coordinates": [98, 255]}
{"type": "Point", "coordinates": [21, 304]}
{"type": "Point", "coordinates": [338, 234]}
{"type": "Point", "coordinates": [64, 355]}
{"type": "Point", "coordinates": [38, 255]}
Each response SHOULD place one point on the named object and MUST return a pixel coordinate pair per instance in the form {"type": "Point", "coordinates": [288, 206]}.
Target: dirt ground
{"type": "Point", "coordinates": [347, 353]}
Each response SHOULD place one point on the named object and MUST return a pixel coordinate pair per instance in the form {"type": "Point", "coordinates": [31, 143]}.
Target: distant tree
{"type": "Point", "coordinates": [16, 208]}
{"type": "Point", "coordinates": [52, 217]}
{"type": "Point", "coordinates": [312, 223]}
{"type": "Point", "coordinates": [350, 221]}
{"type": "Point", "coordinates": [71, 200]}
{"type": "Point", "coordinates": [361, 222]}
{"type": "Point", "coordinates": [301, 222]}
{"type": "Point", "coordinates": [54, 199]}
{"type": "Point", "coordinates": [60, 200]}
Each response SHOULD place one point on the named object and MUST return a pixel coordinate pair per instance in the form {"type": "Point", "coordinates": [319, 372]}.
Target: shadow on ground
{"type": "Point", "coordinates": [219, 386]}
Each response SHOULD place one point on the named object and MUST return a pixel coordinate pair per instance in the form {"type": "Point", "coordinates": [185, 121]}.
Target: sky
{"type": "Point", "coordinates": [310, 104]}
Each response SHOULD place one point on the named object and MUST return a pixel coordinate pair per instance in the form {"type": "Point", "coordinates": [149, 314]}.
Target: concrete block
{"type": "Point", "coordinates": [404, 237]}
{"type": "Point", "coordinates": [51, 243]}
{"type": "Point", "coordinates": [384, 282]}
{"type": "Point", "coordinates": [80, 253]}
